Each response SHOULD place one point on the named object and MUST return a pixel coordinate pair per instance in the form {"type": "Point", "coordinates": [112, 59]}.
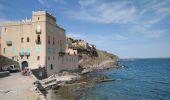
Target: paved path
{"type": "Point", "coordinates": [17, 87]}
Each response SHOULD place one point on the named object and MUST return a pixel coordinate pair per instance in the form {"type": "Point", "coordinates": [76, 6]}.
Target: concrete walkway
{"type": "Point", "coordinates": [17, 87]}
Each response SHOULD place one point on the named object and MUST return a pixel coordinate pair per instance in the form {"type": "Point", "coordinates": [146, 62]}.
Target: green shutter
{"type": "Point", "coordinates": [54, 50]}
{"type": "Point", "coordinates": [38, 49]}
{"type": "Point", "coordinates": [13, 51]}
{"type": "Point", "coordinates": [61, 50]}
{"type": "Point", "coordinates": [38, 29]}
{"type": "Point", "coordinates": [49, 50]}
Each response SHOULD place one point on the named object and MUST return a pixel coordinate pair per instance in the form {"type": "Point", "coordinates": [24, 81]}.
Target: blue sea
{"type": "Point", "coordinates": [143, 79]}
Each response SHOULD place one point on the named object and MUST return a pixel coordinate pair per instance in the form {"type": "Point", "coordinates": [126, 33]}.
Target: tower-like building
{"type": "Point", "coordinates": [38, 43]}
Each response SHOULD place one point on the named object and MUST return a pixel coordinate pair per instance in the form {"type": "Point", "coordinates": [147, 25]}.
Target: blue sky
{"type": "Point", "coordinates": [127, 28]}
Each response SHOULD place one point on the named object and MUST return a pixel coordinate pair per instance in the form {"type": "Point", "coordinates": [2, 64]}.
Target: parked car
{"type": "Point", "coordinates": [13, 68]}
{"type": "Point", "coordinates": [5, 68]}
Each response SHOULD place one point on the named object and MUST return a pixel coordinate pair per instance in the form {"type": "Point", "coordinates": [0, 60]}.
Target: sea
{"type": "Point", "coordinates": [140, 79]}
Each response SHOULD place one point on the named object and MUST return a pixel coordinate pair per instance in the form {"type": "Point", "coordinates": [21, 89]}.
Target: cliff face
{"type": "Point", "coordinates": [102, 61]}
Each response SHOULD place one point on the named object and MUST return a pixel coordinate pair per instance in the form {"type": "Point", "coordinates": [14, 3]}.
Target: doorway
{"type": "Point", "coordinates": [24, 64]}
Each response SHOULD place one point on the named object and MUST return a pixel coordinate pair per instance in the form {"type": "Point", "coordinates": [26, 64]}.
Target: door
{"type": "Point", "coordinates": [24, 64]}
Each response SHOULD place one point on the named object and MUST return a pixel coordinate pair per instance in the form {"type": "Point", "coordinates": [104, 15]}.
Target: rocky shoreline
{"type": "Point", "coordinates": [72, 85]}
{"type": "Point", "coordinates": [75, 85]}
{"type": "Point", "coordinates": [77, 88]}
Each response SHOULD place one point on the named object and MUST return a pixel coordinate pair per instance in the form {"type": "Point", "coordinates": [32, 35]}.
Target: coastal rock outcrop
{"type": "Point", "coordinates": [103, 60]}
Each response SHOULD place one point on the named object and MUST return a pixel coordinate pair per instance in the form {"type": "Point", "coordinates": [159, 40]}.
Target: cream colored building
{"type": "Point", "coordinates": [37, 43]}
{"type": "Point", "coordinates": [69, 48]}
{"type": "Point", "coordinates": [0, 45]}
{"type": "Point", "coordinates": [71, 51]}
{"type": "Point", "coordinates": [83, 44]}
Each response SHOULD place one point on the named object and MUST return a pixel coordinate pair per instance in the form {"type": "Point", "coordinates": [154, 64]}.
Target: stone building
{"type": "Point", "coordinates": [38, 43]}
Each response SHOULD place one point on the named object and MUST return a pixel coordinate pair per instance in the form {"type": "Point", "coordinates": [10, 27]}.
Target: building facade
{"type": "Point", "coordinates": [0, 45]}
{"type": "Point", "coordinates": [37, 43]}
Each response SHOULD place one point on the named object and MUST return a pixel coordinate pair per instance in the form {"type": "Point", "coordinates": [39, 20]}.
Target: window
{"type": "Point", "coordinates": [38, 49]}
{"type": "Point", "coordinates": [21, 57]}
{"type": "Point", "coordinates": [22, 40]}
{"type": "Point", "coordinates": [38, 37]}
{"type": "Point", "coordinates": [27, 57]}
{"type": "Point", "coordinates": [49, 50]}
{"type": "Point", "coordinates": [54, 50]}
{"type": "Point", "coordinates": [51, 66]}
{"type": "Point", "coordinates": [48, 39]}
{"type": "Point", "coordinates": [53, 40]}
{"type": "Point", "coordinates": [60, 50]}
{"type": "Point", "coordinates": [28, 39]}
{"type": "Point", "coordinates": [38, 29]}
{"type": "Point", "coordinates": [38, 57]}
{"type": "Point", "coordinates": [13, 50]}
{"type": "Point", "coordinates": [38, 41]}
{"type": "Point", "coordinates": [53, 57]}
{"type": "Point", "coordinates": [9, 42]}
{"type": "Point", "coordinates": [5, 29]}
{"type": "Point", "coordinates": [66, 59]}
{"type": "Point", "coordinates": [27, 51]}
{"type": "Point", "coordinates": [48, 57]}
{"type": "Point", "coordinates": [38, 18]}
{"type": "Point", "coordinates": [60, 43]}
{"type": "Point", "coordinates": [4, 50]}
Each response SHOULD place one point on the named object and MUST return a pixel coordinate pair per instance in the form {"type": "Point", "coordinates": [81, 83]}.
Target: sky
{"type": "Point", "coordinates": [127, 28]}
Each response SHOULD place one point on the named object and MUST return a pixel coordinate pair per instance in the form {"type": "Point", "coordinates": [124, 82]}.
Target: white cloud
{"type": "Point", "coordinates": [152, 13]}
{"type": "Point", "coordinates": [104, 12]}
{"type": "Point", "coordinates": [140, 19]}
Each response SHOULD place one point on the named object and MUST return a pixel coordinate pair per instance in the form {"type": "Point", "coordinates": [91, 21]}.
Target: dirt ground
{"type": "Point", "coordinates": [17, 87]}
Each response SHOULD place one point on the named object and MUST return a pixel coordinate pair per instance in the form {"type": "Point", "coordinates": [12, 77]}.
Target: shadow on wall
{"type": "Point", "coordinates": [7, 61]}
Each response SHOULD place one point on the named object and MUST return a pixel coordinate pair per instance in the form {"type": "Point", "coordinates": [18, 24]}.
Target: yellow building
{"type": "Point", "coordinates": [37, 43]}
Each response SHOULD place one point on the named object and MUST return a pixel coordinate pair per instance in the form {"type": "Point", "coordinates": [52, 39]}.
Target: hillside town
{"type": "Point", "coordinates": [80, 47]}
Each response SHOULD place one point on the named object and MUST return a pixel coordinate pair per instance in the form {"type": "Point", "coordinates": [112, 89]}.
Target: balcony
{"type": "Point", "coordinates": [37, 41]}
{"type": "Point", "coordinates": [9, 43]}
